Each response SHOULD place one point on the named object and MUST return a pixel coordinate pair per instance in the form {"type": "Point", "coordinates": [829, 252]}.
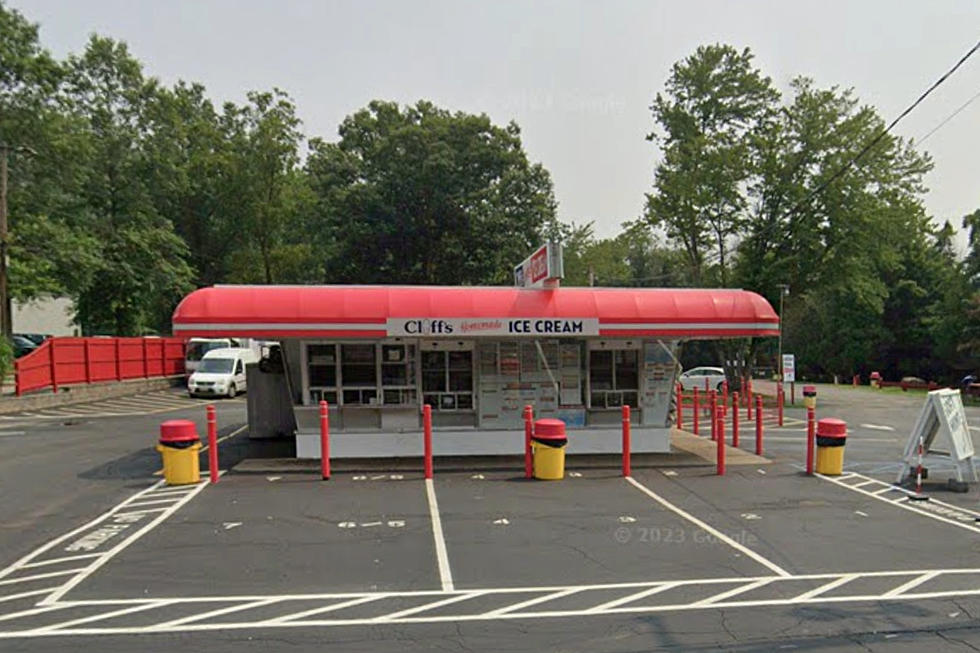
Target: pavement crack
{"type": "Point", "coordinates": [724, 625]}
{"type": "Point", "coordinates": [954, 640]}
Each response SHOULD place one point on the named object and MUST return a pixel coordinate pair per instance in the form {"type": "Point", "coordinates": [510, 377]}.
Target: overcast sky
{"type": "Point", "coordinates": [578, 77]}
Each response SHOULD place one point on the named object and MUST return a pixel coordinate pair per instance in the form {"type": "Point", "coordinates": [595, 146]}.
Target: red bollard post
{"type": "Point", "coordinates": [427, 438]}
{"type": "Point", "coordinates": [735, 419]}
{"type": "Point", "coordinates": [724, 397]}
{"type": "Point", "coordinates": [707, 386]}
{"type": "Point", "coordinates": [720, 461]}
{"type": "Point", "coordinates": [720, 419]}
{"type": "Point", "coordinates": [697, 409]}
{"type": "Point", "coordinates": [680, 406]}
{"type": "Point", "coordinates": [758, 425]}
{"type": "Point", "coordinates": [811, 424]}
{"type": "Point", "coordinates": [713, 407]}
{"type": "Point", "coordinates": [528, 426]}
{"type": "Point", "coordinates": [792, 393]}
{"type": "Point", "coordinates": [324, 441]}
{"type": "Point", "coordinates": [626, 440]}
{"type": "Point", "coordinates": [212, 444]}
{"type": "Point", "coordinates": [780, 400]}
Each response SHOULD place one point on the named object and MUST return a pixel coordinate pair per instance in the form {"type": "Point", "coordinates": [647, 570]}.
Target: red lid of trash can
{"type": "Point", "coordinates": [830, 427]}
{"type": "Point", "coordinates": [549, 429]}
{"type": "Point", "coordinates": [809, 391]}
{"type": "Point", "coordinates": [178, 430]}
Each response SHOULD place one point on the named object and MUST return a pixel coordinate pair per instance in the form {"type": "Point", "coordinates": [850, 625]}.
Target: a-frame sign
{"type": "Point", "coordinates": [945, 433]}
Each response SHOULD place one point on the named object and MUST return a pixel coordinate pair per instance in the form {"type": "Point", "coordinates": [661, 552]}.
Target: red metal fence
{"type": "Point", "coordinates": [71, 361]}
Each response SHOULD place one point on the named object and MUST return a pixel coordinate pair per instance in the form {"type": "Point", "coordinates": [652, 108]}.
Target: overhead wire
{"type": "Point", "coordinates": [874, 141]}
{"type": "Point", "coordinates": [948, 118]}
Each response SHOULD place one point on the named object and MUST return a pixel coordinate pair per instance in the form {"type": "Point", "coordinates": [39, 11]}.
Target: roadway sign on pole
{"type": "Point", "coordinates": [789, 368]}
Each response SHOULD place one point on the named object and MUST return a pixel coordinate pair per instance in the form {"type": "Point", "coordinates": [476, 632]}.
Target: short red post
{"type": "Point", "coordinates": [855, 380]}
{"type": "Point", "coordinates": [146, 360]}
{"type": "Point", "coordinates": [735, 419]}
{"type": "Point", "coordinates": [697, 410]}
{"type": "Point", "coordinates": [724, 397]}
{"type": "Point", "coordinates": [528, 426]}
{"type": "Point", "coordinates": [427, 437]}
{"type": "Point", "coordinates": [720, 419]}
{"type": "Point", "coordinates": [720, 461]}
{"type": "Point", "coordinates": [212, 443]}
{"type": "Point", "coordinates": [781, 400]}
{"type": "Point", "coordinates": [758, 425]}
{"type": "Point", "coordinates": [324, 441]}
{"type": "Point", "coordinates": [680, 406]}
{"type": "Point", "coordinates": [811, 424]}
{"type": "Point", "coordinates": [748, 406]}
{"type": "Point", "coordinates": [713, 403]}
{"type": "Point", "coordinates": [707, 386]}
{"type": "Point", "coordinates": [626, 440]}
{"type": "Point", "coordinates": [792, 393]}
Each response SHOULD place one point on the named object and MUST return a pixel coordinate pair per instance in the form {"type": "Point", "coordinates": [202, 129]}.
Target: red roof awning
{"type": "Point", "coordinates": [369, 311]}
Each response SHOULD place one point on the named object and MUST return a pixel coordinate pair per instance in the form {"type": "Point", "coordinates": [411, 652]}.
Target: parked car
{"type": "Point", "coordinates": [695, 378]}
{"type": "Point", "coordinates": [221, 372]}
{"type": "Point", "coordinates": [21, 345]}
{"type": "Point", "coordinates": [36, 338]}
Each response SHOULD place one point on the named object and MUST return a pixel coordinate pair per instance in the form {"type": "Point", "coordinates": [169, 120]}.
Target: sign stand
{"type": "Point", "coordinates": [941, 423]}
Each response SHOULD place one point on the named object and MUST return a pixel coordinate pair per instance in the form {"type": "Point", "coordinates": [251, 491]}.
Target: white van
{"type": "Point", "coordinates": [221, 372]}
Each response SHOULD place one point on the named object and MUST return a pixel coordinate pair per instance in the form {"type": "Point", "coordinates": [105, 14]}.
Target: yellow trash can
{"type": "Point", "coordinates": [179, 447]}
{"type": "Point", "coordinates": [548, 444]}
{"type": "Point", "coordinates": [809, 396]}
{"type": "Point", "coordinates": [831, 437]}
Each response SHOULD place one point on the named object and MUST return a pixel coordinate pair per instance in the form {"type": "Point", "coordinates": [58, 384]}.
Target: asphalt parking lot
{"type": "Point", "coordinates": [761, 559]}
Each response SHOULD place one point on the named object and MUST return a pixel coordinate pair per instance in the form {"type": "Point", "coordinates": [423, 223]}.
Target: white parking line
{"type": "Point", "coordinates": [108, 555]}
{"type": "Point", "coordinates": [442, 557]}
{"type": "Point", "coordinates": [56, 561]}
{"type": "Point", "coordinates": [904, 504]}
{"type": "Point", "coordinates": [710, 529]}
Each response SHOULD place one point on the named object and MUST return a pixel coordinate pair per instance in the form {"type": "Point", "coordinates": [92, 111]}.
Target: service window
{"type": "Point", "coordinates": [613, 378]}
{"type": "Point", "coordinates": [447, 379]}
{"type": "Point", "coordinates": [321, 368]}
{"type": "Point", "coordinates": [358, 374]}
{"type": "Point", "coordinates": [398, 374]}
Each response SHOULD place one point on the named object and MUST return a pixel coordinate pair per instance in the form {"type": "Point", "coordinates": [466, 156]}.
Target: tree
{"type": "Point", "coordinates": [140, 269]}
{"type": "Point", "coordinates": [713, 102]}
{"type": "Point", "coordinates": [417, 194]}
{"type": "Point", "coordinates": [848, 240]}
{"type": "Point", "coordinates": [44, 249]}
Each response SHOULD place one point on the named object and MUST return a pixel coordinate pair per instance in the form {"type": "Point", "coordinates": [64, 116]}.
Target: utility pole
{"type": "Point", "coordinates": [6, 326]}
{"type": "Point", "coordinates": [6, 320]}
{"type": "Point", "coordinates": [783, 291]}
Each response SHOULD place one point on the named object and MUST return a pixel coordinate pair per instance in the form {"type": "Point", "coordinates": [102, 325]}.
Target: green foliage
{"type": "Point", "coordinates": [6, 358]}
{"type": "Point", "coordinates": [418, 194]}
{"type": "Point", "coordinates": [125, 194]}
{"type": "Point", "coordinates": [713, 101]}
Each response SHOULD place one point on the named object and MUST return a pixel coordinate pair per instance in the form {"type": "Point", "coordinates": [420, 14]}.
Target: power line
{"type": "Point", "coordinates": [847, 166]}
{"type": "Point", "coordinates": [948, 118]}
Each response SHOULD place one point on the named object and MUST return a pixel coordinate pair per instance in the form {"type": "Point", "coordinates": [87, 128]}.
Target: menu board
{"type": "Point", "coordinates": [659, 368]}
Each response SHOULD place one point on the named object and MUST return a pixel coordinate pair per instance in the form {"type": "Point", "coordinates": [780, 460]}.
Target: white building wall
{"type": "Point", "coordinates": [50, 316]}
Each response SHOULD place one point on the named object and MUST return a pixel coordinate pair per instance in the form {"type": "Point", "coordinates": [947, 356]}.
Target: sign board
{"type": "Point", "coordinates": [944, 431]}
{"type": "Point", "coordinates": [542, 269]}
{"type": "Point", "coordinates": [452, 327]}
{"type": "Point", "coordinates": [789, 368]}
